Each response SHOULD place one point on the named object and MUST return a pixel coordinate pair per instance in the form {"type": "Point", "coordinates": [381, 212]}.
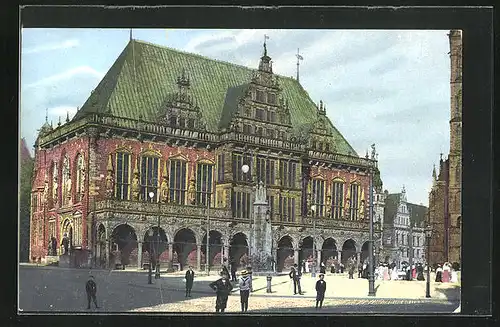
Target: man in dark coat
{"type": "Point", "coordinates": [322, 268]}
{"type": "Point", "coordinates": [360, 270]}
{"type": "Point", "coordinates": [420, 272]}
{"type": "Point", "coordinates": [91, 289]}
{"type": "Point", "coordinates": [189, 281]}
{"type": "Point", "coordinates": [295, 276]}
{"type": "Point", "coordinates": [223, 288]}
{"type": "Point", "coordinates": [320, 291]}
{"type": "Point", "coordinates": [233, 271]}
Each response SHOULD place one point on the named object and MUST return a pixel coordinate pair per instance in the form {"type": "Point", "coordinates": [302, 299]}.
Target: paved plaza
{"type": "Point", "coordinates": [57, 289]}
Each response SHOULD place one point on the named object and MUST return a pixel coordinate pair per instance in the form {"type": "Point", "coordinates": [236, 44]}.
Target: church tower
{"type": "Point", "coordinates": [455, 156]}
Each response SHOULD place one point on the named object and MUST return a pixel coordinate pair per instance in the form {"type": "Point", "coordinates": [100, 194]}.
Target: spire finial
{"type": "Point", "coordinates": [299, 57]}
{"type": "Point", "coordinates": [266, 37]}
{"type": "Point", "coordinates": [131, 35]}
{"type": "Point", "coordinates": [46, 115]}
{"type": "Point", "coordinates": [67, 116]}
{"type": "Point", "coordinates": [434, 171]}
{"type": "Point", "coordinates": [59, 123]}
{"type": "Point", "coordinates": [441, 156]}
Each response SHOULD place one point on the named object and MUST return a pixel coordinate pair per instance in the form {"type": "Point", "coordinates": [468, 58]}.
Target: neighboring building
{"type": "Point", "coordinates": [180, 126]}
{"type": "Point", "coordinates": [404, 230]}
{"type": "Point", "coordinates": [445, 204]}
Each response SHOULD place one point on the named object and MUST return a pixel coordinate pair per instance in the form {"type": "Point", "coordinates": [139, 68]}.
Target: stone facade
{"type": "Point", "coordinates": [109, 182]}
{"type": "Point", "coordinates": [445, 213]}
{"type": "Point", "coordinates": [404, 230]}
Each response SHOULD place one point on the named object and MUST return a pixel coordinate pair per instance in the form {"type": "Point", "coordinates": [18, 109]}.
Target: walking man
{"type": "Point", "coordinates": [320, 291]}
{"type": "Point", "coordinates": [222, 287]}
{"type": "Point", "coordinates": [245, 284]}
{"type": "Point", "coordinates": [295, 276]}
{"type": "Point", "coordinates": [91, 289]}
{"type": "Point", "coordinates": [189, 281]}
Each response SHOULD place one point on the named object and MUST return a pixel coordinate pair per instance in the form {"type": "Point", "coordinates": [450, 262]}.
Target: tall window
{"type": "Point", "coordinates": [247, 129]}
{"type": "Point", "coordinates": [287, 208]}
{"type": "Point", "coordinates": [288, 171]}
{"type": "Point", "coordinates": [337, 200]}
{"type": "Point", "coordinates": [203, 183]}
{"type": "Point", "coordinates": [149, 178]}
{"type": "Point", "coordinates": [354, 201]}
{"type": "Point", "coordinates": [238, 161]}
{"type": "Point", "coordinates": [55, 186]}
{"type": "Point", "coordinates": [271, 116]}
{"type": "Point", "coordinates": [177, 186]}
{"type": "Point", "coordinates": [260, 96]}
{"type": "Point", "coordinates": [260, 114]}
{"type": "Point", "coordinates": [318, 193]}
{"type": "Point", "coordinates": [34, 202]}
{"type": "Point", "coordinates": [66, 180]}
{"type": "Point", "coordinates": [265, 171]}
{"type": "Point", "coordinates": [122, 175]}
{"type": "Point", "coordinates": [259, 131]}
{"type": "Point", "coordinates": [240, 204]}
{"type": "Point", "coordinates": [270, 202]}
{"type": "Point", "coordinates": [80, 178]}
{"type": "Point", "coordinates": [271, 98]}
{"type": "Point", "coordinates": [220, 167]}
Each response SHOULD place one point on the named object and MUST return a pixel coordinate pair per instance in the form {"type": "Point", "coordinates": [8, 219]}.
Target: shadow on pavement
{"type": "Point", "coordinates": [452, 293]}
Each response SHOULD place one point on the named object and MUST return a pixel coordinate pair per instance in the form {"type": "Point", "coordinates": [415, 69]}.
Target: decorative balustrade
{"type": "Point", "coordinates": [162, 208]}
{"type": "Point", "coordinates": [342, 158]}
{"type": "Point", "coordinates": [336, 223]}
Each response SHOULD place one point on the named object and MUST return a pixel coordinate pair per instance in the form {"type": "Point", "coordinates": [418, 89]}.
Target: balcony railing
{"type": "Point", "coordinates": [343, 158]}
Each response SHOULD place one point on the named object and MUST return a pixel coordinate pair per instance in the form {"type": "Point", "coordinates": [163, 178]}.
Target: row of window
{"type": "Point", "coordinates": [263, 132]}
{"type": "Point", "coordinates": [181, 122]}
{"type": "Point", "coordinates": [404, 240]}
{"type": "Point", "coordinates": [266, 97]}
{"type": "Point", "coordinates": [416, 253]}
{"type": "Point", "coordinates": [241, 206]}
{"type": "Point", "coordinates": [337, 200]}
{"type": "Point", "coordinates": [265, 170]}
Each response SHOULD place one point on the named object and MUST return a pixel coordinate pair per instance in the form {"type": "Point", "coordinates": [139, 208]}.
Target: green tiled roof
{"type": "Point", "coordinates": [144, 75]}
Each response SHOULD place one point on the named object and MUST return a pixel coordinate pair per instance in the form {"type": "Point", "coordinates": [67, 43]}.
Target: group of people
{"type": "Point", "coordinates": [446, 274]}
{"type": "Point", "coordinates": [296, 274]}
{"type": "Point", "coordinates": [223, 288]}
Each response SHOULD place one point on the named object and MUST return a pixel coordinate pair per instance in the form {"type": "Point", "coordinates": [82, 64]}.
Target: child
{"type": "Point", "coordinates": [320, 291]}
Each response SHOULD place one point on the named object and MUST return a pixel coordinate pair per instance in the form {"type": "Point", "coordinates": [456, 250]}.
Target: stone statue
{"type": "Point", "coordinates": [362, 210]}
{"type": "Point", "coordinates": [164, 189]}
{"type": "Point", "coordinates": [65, 243]}
{"type": "Point", "coordinates": [109, 185]}
{"type": "Point", "coordinates": [68, 188]}
{"type": "Point", "coordinates": [191, 192]}
{"type": "Point", "coordinates": [135, 187]}
{"type": "Point", "coordinates": [45, 192]}
{"type": "Point", "coordinates": [54, 192]}
{"type": "Point", "coordinates": [260, 193]}
{"type": "Point", "coordinates": [347, 208]}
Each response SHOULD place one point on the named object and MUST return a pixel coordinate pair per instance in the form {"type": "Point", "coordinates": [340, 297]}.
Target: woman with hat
{"type": "Point", "coordinates": [245, 284]}
{"type": "Point", "coordinates": [222, 287]}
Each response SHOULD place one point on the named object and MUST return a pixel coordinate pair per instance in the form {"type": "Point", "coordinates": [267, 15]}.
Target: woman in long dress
{"type": "Point", "coordinates": [454, 276]}
{"type": "Point", "coordinates": [394, 273]}
{"type": "Point", "coordinates": [446, 273]}
{"type": "Point", "coordinates": [439, 274]}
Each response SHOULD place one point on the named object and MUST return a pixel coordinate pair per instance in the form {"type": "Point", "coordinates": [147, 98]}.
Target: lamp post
{"type": "Point", "coordinates": [245, 169]}
{"type": "Point", "coordinates": [410, 255]}
{"type": "Point", "coordinates": [150, 272]}
{"type": "Point", "coordinates": [428, 235]}
{"type": "Point", "coordinates": [371, 277]}
{"type": "Point", "coordinates": [157, 266]}
{"type": "Point", "coordinates": [313, 268]}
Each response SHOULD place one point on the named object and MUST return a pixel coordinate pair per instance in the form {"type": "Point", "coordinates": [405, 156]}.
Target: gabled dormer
{"type": "Point", "coordinates": [260, 107]}
{"type": "Point", "coordinates": [320, 135]}
{"type": "Point", "coordinates": [180, 109]}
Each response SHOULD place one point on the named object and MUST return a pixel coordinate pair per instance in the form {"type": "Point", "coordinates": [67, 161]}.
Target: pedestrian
{"type": "Point", "coordinates": [302, 268]}
{"type": "Point", "coordinates": [225, 271]}
{"type": "Point", "coordinates": [360, 270]}
{"type": "Point", "coordinates": [320, 291]}
{"type": "Point", "coordinates": [189, 281]}
{"type": "Point", "coordinates": [250, 274]}
{"type": "Point", "coordinates": [322, 268]}
{"type": "Point", "coordinates": [233, 271]}
{"type": "Point", "coordinates": [91, 290]}
{"type": "Point", "coordinates": [295, 276]}
{"type": "Point", "coordinates": [223, 288]}
{"type": "Point", "coordinates": [342, 267]}
{"type": "Point", "coordinates": [245, 284]}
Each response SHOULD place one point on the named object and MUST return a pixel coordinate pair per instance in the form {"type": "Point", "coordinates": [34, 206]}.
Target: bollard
{"type": "Point", "coordinates": [269, 278]}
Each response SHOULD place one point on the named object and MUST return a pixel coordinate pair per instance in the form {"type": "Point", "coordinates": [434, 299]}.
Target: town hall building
{"type": "Point", "coordinates": [153, 160]}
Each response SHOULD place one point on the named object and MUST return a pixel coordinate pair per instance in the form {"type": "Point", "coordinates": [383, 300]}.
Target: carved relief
{"type": "Point", "coordinates": [164, 187]}
{"type": "Point", "coordinates": [191, 192]}
{"type": "Point", "coordinates": [109, 179]}
{"type": "Point", "coordinates": [136, 188]}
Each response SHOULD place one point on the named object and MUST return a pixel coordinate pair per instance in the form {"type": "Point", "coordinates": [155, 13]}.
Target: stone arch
{"type": "Point", "coordinates": [155, 242]}
{"type": "Point", "coordinates": [67, 229]}
{"type": "Point", "coordinates": [216, 245]}
{"type": "Point", "coordinates": [101, 245]}
{"type": "Point", "coordinates": [329, 251]}
{"type": "Point", "coordinates": [306, 249]}
{"type": "Point", "coordinates": [285, 253]}
{"type": "Point", "coordinates": [124, 245]}
{"type": "Point", "coordinates": [184, 248]}
{"type": "Point", "coordinates": [365, 251]}
{"type": "Point", "coordinates": [238, 249]}
{"type": "Point", "coordinates": [196, 235]}
{"type": "Point", "coordinates": [348, 251]}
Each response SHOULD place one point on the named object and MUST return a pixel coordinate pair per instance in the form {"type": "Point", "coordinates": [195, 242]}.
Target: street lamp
{"type": "Point", "coordinates": [150, 235]}
{"type": "Point", "coordinates": [428, 234]}
{"type": "Point", "coordinates": [371, 277]}
{"type": "Point", "coordinates": [207, 256]}
{"type": "Point", "coordinates": [157, 266]}
{"type": "Point", "coordinates": [313, 268]}
{"type": "Point", "coordinates": [245, 169]}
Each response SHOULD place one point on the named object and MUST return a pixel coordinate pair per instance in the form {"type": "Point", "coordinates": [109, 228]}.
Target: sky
{"type": "Point", "coordinates": [387, 87]}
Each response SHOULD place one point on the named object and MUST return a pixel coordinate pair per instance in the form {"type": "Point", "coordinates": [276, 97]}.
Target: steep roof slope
{"type": "Point", "coordinates": [143, 76]}
{"type": "Point", "coordinates": [24, 151]}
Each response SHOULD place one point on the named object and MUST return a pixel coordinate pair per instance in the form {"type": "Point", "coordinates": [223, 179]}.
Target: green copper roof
{"type": "Point", "coordinates": [144, 75]}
